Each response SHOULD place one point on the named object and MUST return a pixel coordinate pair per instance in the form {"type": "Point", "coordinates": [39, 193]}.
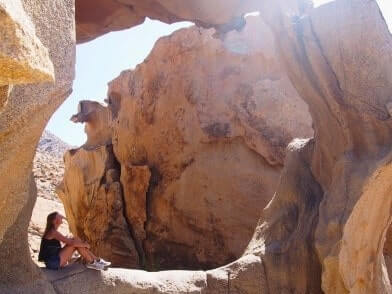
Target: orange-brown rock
{"type": "Point", "coordinates": [135, 181]}
{"type": "Point", "coordinates": [95, 18]}
{"type": "Point", "coordinates": [37, 46]}
{"type": "Point", "coordinates": [332, 208]}
{"type": "Point", "coordinates": [96, 118]}
{"type": "Point", "coordinates": [23, 57]}
{"type": "Point", "coordinates": [93, 201]}
{"type": "Point", "coordinates": [200, 134]}
{"type": "Point", "coordinates": [213, 128]}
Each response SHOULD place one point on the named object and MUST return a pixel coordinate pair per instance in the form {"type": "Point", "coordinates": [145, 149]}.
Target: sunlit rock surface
{"type": "Point", "coordinates": [95, 18]}
{"type": "Point", "coordinates": [339, 58]}
{"type": "Point", "coordinates": [332, 206]}
{"type": "Point", "coordinates": [23, 57]}
{"type": "Point", "coordinates": [93, 201]}
{"type": "Point", "coordinates": [22, 120]}
{"type": "Point", "coordinates": [244, 276]}
{"type": "Point", "coordinates": [199, 131]}
{"type": "Point", "coordinates": [97, 119]}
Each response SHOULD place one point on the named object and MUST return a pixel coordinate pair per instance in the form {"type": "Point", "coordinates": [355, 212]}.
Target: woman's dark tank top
{"type": "Point", "coordinates": [48, 248]}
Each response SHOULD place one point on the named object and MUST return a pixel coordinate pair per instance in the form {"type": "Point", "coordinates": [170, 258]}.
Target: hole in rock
{"type": "Point", "coordinates": [186, 153]}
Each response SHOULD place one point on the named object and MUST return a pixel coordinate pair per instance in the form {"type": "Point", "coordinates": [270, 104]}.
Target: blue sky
{"type": "Point", "coordinates": [102, 60]}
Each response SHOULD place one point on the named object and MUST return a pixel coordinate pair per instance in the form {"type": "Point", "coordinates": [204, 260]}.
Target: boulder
{"type": "Point", "coordinates": [93, 200]}
{"type": "Point", "coordinates": [212, 128]}
{"type": "Point", "coordinates": [41, 29]}
{"type": "Point", "coordinates": [245, 276]}
{"type": "Point", "coordinates": [23, 57]}
{"type": "Point", "coordinates": [97, 122]}
{"type": "Point", "coordinates": [199, 131]}
{"type": "Point", "coordinates": [331, 212]}
{"type": "Point", "coordinates": [340, 215]}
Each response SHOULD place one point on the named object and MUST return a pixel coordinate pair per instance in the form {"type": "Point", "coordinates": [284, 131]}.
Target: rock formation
{"type": "Point", "coordinates": [199, 132]}
{"type": "Point", "coordinates": [23, 57]}
{"type": "Point", "coordinates": [195, 112]}
{"type": "Point", "coordinates": [93, 201]}
{"type": "Point", "coordinates": [23, 118]}
{"type": "Point", "coordinates": [334, 223]}
{"type": "Point", "coordinates": [98, 17]}
{"type": "Point", "coordinates": [97, 119]}
{"type": "Point", "coordinates": [325, 228]}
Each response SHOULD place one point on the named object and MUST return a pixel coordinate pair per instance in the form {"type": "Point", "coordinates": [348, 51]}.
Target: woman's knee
{"type": "Point", "coordinates": [77, 239]}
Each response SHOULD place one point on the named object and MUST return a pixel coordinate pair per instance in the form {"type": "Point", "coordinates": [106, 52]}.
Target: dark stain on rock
{"type": "Point", "coordinates": [217, 130]}
{"type": "Point", "coordinates": [228, 71]}
{"type": "Point", "coordinates": [245, 91]}
{"type": "Point", "coordinates": [114, 103]}
{"type": "Point", "coordinates": [150, 97]}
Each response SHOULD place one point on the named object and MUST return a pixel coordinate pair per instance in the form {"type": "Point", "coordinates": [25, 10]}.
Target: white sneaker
{"type": "Point", "coordinates": [95, 265]}
{"type": "Point", "coordinates": [104, 262]}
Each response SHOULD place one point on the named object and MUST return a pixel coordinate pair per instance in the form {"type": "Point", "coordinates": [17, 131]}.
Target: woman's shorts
{"type": "Point", "coordinates": [53, 262]}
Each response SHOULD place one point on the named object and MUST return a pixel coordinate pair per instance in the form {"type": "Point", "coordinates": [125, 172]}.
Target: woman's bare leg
{"type": "Point", "coordinates": [86, 254]}
{"type": "Point", "coordinates": [66, 254]}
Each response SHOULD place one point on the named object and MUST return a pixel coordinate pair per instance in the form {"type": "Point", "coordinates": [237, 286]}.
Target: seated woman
{"type": "Point", "coordinates": [55, 256]}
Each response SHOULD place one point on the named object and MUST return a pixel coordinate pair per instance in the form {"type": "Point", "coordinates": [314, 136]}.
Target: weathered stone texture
{"type": "Point", "coordinates": [338, 57]}
{"type": "Point", "coordinates": [23, 57]}
{"type": "Point", "coordinates": [22, 120]}
{"type": "Point", "coordinates": [98, 17]}
{"type": "Point", "coordinates": [246, 276]}
{"type": "Point", "coordinates": [324, 231]}
{"type": "Point", "coordinates": [97, 123]}
{"type": "Point", "coordinates": [199, 130]}
{"type": "Point", "coordinates": [93, 201]}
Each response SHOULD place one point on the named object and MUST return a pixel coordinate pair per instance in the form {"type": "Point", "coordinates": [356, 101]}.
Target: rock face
{"type": "Point", "coordinates": [199, 133]}
{"type": "Point", "coordinates": [98, 17]}
{"type": "Point", "coordinates": [23, 57]}
{"type": "Point", "coordinates": [335, 222]}
{"type": "Point", "coordinates": [97, 119]}
{"type": "Point", "coordinates": [22, 120]}
{"type": "Point", "coordinates": [93, 201]}
{"type": "Point", "coordinates": [324, 230]}
{"type": "Point", "coordinates": [244, 276]}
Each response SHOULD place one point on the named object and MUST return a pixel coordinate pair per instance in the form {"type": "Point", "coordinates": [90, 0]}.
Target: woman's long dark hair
{"type": "Point", "coordinates": [49, 222]}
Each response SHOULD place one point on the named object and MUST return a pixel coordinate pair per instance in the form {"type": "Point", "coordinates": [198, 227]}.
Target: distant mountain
{"type": "Point", "coordinates": [52, 145]}
{"type": "Point", "coordinates": [48, 164]}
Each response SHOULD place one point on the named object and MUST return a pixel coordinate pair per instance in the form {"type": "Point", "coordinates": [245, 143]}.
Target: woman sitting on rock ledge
{"type": "Point", "coordinates": [55, 256]}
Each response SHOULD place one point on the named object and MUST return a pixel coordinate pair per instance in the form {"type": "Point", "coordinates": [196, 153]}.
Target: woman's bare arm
{"type": "Point", "coordinates": [69, 241]}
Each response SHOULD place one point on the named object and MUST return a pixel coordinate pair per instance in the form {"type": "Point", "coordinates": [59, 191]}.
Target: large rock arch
{"type": "Point", "coordinates": [342, 70]}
